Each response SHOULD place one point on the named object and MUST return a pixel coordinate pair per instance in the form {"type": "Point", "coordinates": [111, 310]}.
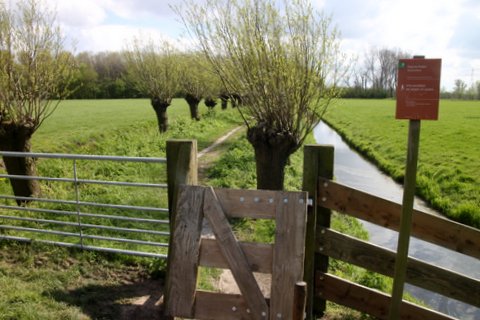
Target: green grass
{"type": "Point", "coordinates": [45, 282]}
{"type": "Point", "coordinates": [112, 127]}
{"type": "Point", "coordinates": [448, 168]}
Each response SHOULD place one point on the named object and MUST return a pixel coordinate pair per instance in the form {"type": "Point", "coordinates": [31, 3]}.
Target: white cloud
{"type": "Point", "coordinates": [436, 28]}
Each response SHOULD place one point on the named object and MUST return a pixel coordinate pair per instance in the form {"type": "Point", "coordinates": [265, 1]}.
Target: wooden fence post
{"type": "Point", "coordinates": [317, 162]}
{"type": "Point", "coordinates": [182, 168]}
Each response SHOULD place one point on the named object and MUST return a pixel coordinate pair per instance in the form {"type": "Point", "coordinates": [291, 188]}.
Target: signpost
{"type": "Point", "coordinates": [418, 92]}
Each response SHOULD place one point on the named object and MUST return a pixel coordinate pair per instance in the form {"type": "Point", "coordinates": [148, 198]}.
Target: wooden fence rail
{"type": "Point", "coordinates": [428, 227]}
{"type": "Point", "coordinates": [323, 243]}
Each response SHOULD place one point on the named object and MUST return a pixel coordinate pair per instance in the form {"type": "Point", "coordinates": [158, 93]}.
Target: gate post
{"type": "Point", "coordinates": [182, 168]}
{"type": "Point", "coordinates": [317, 162]}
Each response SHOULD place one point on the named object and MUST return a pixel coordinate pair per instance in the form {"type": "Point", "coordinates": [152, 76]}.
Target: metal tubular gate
{"type": "Point", "coordinates": [46, 217]}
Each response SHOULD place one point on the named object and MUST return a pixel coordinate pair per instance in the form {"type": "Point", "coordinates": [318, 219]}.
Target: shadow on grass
{"type": "Point", "coordinates": [138, 300]}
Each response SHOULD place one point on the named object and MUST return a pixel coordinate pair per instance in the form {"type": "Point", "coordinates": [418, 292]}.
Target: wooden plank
{"type": "Point", "coordinates": [367, 300]}
{"type": "Point", "coordinates": [211, 305]}
{"type": "Point", "coordinates": [289, 252]}
{"type": "Point", "coordinates": [184, 253]}
{"type": "Point", "coordinates": [234, 255]}
{"type": "Point", "coordinates": [182, 168]}
{"type": "Point", "coordinates": [257, 204]}
{"type": "Point", "coordinates": [405, 229]}
{"type": "Point", "coordinates": [381, 260]}
{"type": "Point", "coordinates": [434, 229]}
{"type": "Point", "coordinates": [259, 255]}
{"type": "Point", "coordinates": [317, 161]}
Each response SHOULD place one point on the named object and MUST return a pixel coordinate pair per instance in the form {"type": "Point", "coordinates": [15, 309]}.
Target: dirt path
{"type": "Point", "coordinates": [209, 155]}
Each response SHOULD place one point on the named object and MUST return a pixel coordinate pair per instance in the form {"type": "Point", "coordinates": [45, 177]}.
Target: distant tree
{"type": "Point", "coordinates": [194, 75]}
{"type": "Point", "coordinates": [154, 70]}
{"type": "Point", "coordinates": [85, 79]}
{"type": "Point", "coordinates": [379, 71]}
{"type": "Point", "coordinates": [282, 62]}
{"type": "Point", "coordinates": [34, 70]}
{"type": "Point", "coordinates": [459, 89]}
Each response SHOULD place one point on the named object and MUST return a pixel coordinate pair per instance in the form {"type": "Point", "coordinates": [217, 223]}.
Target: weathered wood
{"type": "Point", "coordinates": [210, 305]}
{"type": "Point", "coordinates": [184, 253]}
{"type": "Point", "coordinates": [405, 230]}
{"type": "Point", "coordinates": [381, 260]}
{"type": "Point", "coordinates": [259, 255]}
{"type": "Point", "coordinates": [288, 254]}
{"type": "Point", "coordinates": [299, 300]}
{"type": "Point", "coordinates": [234, 255]}
{"type": "Point", "coordinates": [317, 162]}
{"type": "Point", "coordinates": [182, 168]}
{"type": "Point", "coordinates": [257, 204]}
{"type": "Point", "coordinates": [434, 229]}
{"type": "Point", "coordinates": [368, 300]}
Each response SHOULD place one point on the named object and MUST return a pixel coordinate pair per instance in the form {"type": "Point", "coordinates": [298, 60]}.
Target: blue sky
{"type": "Point", "coordinates": [447, 29]}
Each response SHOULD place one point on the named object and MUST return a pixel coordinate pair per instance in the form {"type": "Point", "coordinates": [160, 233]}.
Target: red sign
{"type": "Point", "coordinates": [418, 89]}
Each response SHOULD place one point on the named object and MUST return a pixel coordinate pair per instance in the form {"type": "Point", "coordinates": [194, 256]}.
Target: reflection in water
{"type": "Point", "coordinates": [353, 170]}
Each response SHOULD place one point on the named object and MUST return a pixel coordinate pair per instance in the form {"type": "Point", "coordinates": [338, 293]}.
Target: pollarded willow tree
{"type": "Point", "coordinates": [154, 70]}
{"type": "Point", "coordinates": [197, 81]}
{"type": "Point", "coordinates": [35, 72]}
{"type": "Point", "coordinates": [282, 60]}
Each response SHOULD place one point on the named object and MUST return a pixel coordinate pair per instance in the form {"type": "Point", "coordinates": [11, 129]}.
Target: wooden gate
{"type": "Point", "coordinates": [284, 259]}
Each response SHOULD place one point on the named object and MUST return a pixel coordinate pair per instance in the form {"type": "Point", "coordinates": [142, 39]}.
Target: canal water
{"type": "Point", "coordinates": [353, 170]}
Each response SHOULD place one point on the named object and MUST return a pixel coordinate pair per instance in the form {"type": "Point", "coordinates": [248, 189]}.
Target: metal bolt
{"type": "Point", "coordinates": [279, 315]}
{"type": "Point", "coordinates": [322, 231]}
{"type": "Point", "coordinates": [234, 308]}
{"type": "Point", "coordinates": [248, 310]}
{"type": "Point", "coordinates": [324, 199]}
{"type": "Point", "coordinates": [321, 248]}
{"type": "Point", "coordinates": [301, 201]}
{"type": "Point", "coordinates": [264, 314]}
{"type": "Point", "coordinates": [285, 200]}
{"type": "Point", "coordinates": [270, 200]}
{"type": "Point", "coordinates": [242, 199]}
{"type": "Point", "coordinates": [325, 184]}
{"type": "Point", "coordinates": [256, 199]}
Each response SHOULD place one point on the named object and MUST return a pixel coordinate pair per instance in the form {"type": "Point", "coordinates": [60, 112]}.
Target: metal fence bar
{"type": "Point", "coordinates": [89, 215]}
{"type": "Point", "coordinates": [86, 181]}
{"type": "Point", "coordinates": [91, 204]}
{"type": "Point", "coordinates": [85, 225]}
{"type": "Point", "coordinates": [85, 236]}
{"type": "Point", "coordinates": [77, 199]}
{"type": "Point", "coordinates": [81, 157]}
{"type": "Point", "coordinates": [91, 248]}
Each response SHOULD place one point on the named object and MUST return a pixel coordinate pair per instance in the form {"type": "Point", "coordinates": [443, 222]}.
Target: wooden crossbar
{"type": "Point", "coordinates": [235, 257]}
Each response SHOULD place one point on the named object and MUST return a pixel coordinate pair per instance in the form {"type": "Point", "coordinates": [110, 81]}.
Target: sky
{"type": "Point", "coordinates": [446, 29]}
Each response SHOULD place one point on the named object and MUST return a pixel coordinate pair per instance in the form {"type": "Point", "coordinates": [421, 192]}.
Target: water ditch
{"type": "Point", "coordinates": [355, 171]}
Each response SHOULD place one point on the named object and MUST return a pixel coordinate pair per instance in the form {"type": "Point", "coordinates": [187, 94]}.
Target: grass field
{"type": "Point", "coordinates": [44, 282]}
{"type": "Point", "coordinates": [111, 127]}
{"type": "Point", "coordinates": [449, 161]}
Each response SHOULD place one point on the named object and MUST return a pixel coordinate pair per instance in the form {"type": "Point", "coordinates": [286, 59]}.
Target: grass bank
{"type": "Point", "coordinates": [449, 168]}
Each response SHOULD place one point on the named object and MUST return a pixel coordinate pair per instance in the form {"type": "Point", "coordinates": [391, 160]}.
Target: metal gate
{"type": "Point", "coordinates": [95, 209]}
